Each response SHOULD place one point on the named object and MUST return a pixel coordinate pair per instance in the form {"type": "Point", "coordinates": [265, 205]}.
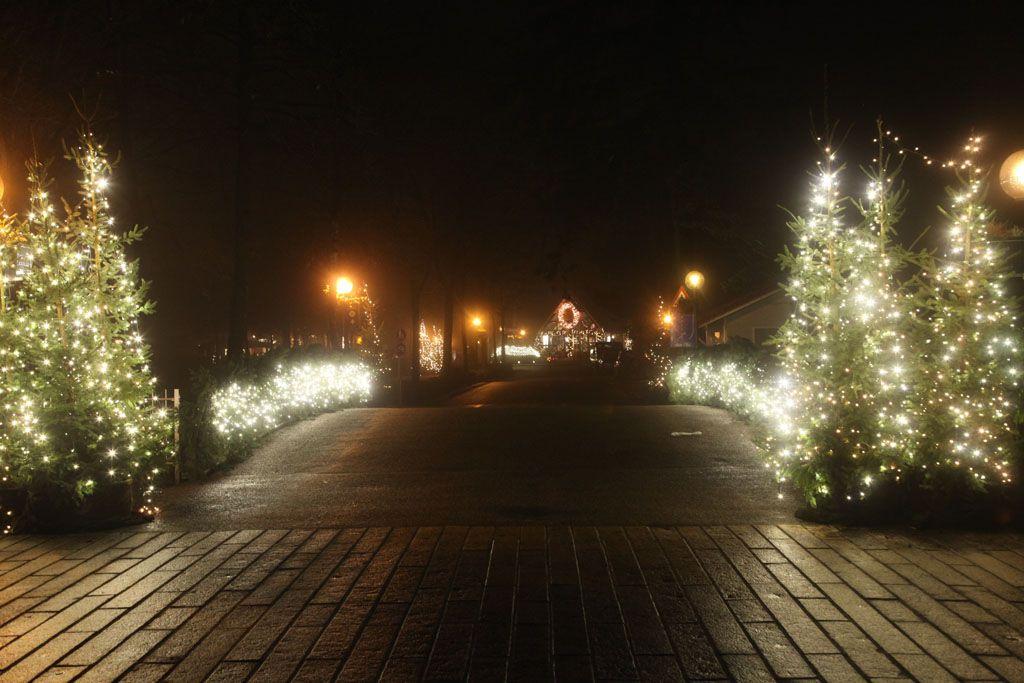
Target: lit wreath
{"type": "Point", "coordinates": [568, 315]}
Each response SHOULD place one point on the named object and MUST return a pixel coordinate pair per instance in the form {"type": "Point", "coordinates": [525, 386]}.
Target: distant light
{"type": "Point", "coordinates": [344, 286]}
{"type": "Point", "coordinates": [1011, 175]}
{"type": "Point", "coordinates": [694, 279]}
{"type": "Point", "coordinates": [477, 321]}
{"type": "Point", "coordinates": [667, 320]}
{"type": "Point", "coordinates": [522, 331]}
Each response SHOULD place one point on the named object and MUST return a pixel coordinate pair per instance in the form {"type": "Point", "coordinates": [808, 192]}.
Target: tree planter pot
{"type": "Point", "coordinates": [50, 509]}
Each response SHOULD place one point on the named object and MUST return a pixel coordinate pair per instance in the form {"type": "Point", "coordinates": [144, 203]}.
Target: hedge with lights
{"type": "Point", "coordinates": [232, 406]}
{"type": "Point", "coordinates": [79, 434]}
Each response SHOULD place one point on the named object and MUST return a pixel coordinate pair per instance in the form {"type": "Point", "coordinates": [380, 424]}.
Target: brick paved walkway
{"type": "Point", "coordinates": [531, 603]}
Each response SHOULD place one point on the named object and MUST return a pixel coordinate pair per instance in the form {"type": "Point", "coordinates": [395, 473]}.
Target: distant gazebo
{"type": "Point", "coordinates": [570, 331]}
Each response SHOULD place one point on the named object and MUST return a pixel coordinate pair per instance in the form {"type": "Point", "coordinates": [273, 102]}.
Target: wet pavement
{"type": "Point", "coordinates": [543, 529]}
{"type": "Point", "coordinates": [538, 450]}
{"type": "Point", "coordinates": [743, 602]}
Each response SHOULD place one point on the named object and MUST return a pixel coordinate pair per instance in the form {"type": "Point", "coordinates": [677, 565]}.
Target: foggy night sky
{"type": "Point", "coordinates": [597, 148]}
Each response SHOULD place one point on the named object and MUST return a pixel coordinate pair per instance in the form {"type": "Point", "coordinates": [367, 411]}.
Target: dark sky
{"type": "Point", "coordinates": [520, 149]}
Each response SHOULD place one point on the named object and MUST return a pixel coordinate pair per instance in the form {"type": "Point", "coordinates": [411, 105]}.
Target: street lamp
{"type": "Point", "coordinates": [694, 280]}
{"type": "Point", "coordinates": [343, 287]}
{"type": "Point", "coordinates": [1011, 175]}
{"type": "Point", "coordinates": [478, 322]}
{"type": "Point", "coordinates": [666, 320]}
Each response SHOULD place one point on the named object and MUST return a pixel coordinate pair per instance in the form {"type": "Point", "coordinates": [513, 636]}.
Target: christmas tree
{"type": "Point", "coordinates": [431, 349]}
{"type": "Point", "coordinates": [842, 349]}
{"type": "Point", "coordinates": [972, 379]}
{"type": "Point", "coordinates": [77, 418]}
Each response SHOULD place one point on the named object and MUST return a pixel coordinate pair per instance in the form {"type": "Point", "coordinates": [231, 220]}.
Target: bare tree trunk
{"type": "Point", "coordinates": [449, 325]}
{"type": "Point", "coordinates": [238, 328]}
{"type": "Point", "coordinates": [415, 294]}
{"type": "Point", "coordinates": [465, 342]}
{"type": "Point", "coordinates": [494, 338]}
{"type": "Point", "coordinates": [504, 334]}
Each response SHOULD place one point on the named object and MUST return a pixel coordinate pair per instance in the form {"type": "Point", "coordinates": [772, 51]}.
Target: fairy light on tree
{"type": "Point", "coordinates": [75, 411]}
{"type": "Point", "coordinates": [843, 347]}
{"type": "Point", "coordinates": [973, 344]}
{"type": "Point", "coordinates": [431, 349]}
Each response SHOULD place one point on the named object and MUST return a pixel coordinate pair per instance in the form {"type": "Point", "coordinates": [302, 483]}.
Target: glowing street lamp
{"type": "Point", "coordinates": [666, 320]}
{"type": "Point", "coordinates": [694, 280]}
{"type": "Point", "coordinates": [1011, 175]}
{"type": "Point", "coordinates": [477, 321]}
{"type": "Point", "coordinates": [522, 332]}
{"type": "Point", "coordinates": [343, 287]}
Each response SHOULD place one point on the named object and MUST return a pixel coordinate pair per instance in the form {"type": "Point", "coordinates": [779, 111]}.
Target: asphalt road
{"type": "Point", "coordinates": [538, 450]}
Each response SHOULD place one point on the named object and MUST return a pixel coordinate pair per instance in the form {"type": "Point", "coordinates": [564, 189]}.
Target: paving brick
{"type": "Point", "coordinates": [123, 656]}
{"type": "Point", "coordinates": [946, 652]}
{"type": "Point", "coordinates": [526, 603]}
{"type": "Point", "coordinates": [947, 621]}
{"type": "Point", "coordinates": [658, 668]}
{"type": "Point", "coordinates": [684, 563]}
{"type": "Point", "coordinates": [862, 650]}
{"type": "Point", "coordinates": [794, 581]}
{"type": "Point", "coordinates": [646, 633]}
{"type": "Point", "coordinates": [747, 669]}
{"type": "Point", "coordinates": [780, 653]}
{"type": "Point", "coordinates": [48, 630]}
{"type": "Point", "coordinates": [416, 635]}
{"type": "Point", "coordinates": [729, 583]}
{"type": "Point", "coordinates": [449, 658]}
{"type": "Point", "coordinates": [801, 628]}
{"type": "Point", "coordinates": [834, 668]}
{"type": "Point", "coordinates": [894, 610]}
{"type": "Point", "coordinates": [1010, 668]}
{"type": "Point", "coordinates": [611, 656]}
{"type": "Point", "coordinates": [822, 609]}
{"type": "Point", "coordinates": [623, 563]}
{"type": "Point", "coordinates": [749, 611]}
{"type": "Point", "coordinates": [868, 618]}
{"type": "Point", "coordinates": [726, 632]}
{"type": "Point", "coordinates": [118, 630]}
{"type": "Point", "coordinates": [146, 672]}
{"type": "Point", "coordinates": [923, 668]}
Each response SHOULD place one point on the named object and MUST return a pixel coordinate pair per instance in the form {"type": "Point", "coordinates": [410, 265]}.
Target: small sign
{"type": "Point", "coordinates": [400, 349]}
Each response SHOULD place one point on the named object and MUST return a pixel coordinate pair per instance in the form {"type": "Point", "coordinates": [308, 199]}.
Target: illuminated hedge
{"type": "Point", "coordinates": [246, 411]}
{"type": "Point", "coordinates": [740, 385]}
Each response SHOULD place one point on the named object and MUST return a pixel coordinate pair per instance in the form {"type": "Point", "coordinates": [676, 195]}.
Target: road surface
{"type": "Point", "coordinates": [537, 450]}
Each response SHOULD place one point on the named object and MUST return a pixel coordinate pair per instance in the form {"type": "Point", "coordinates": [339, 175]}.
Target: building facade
{"type": "Point", "coordinates": [755, 319]}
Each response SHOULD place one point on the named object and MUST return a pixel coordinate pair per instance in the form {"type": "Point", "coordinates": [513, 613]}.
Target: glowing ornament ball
{"type": "Point", "coordinates": [1011, 175]}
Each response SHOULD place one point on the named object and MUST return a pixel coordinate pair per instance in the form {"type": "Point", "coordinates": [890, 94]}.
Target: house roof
{"type": "Point", "coordinates": [738, 304]}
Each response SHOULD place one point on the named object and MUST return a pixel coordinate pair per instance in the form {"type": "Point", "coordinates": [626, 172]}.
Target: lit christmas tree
{"type": "Point", "coordinates": [886, 313]}
{"type": "Point", "coordinates": [431, 349]}
{"type": "Point", "coordinates": [76, 417]}
{"type": "Point", "coordinates": [371, 348]}
{"type": "Point", "coordinates": [842, 350]}
{"type": "Point", "coordinates": [972, 378]}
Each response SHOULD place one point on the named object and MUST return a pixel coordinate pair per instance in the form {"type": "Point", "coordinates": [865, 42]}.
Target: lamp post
{"type": "Point", "coordinates": [477, 322]}
{"type": "Point", "coordinates": [694, 281]}
{"type": "Point", "coordinates": [345, 297]}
